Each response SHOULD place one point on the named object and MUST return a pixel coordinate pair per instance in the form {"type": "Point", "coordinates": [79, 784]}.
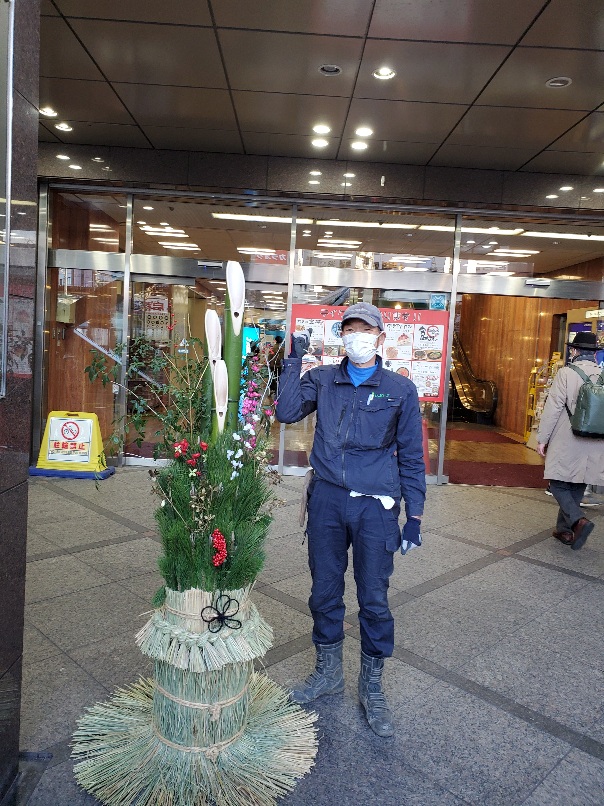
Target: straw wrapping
{"type": "Point", "coordinates": [215, 708]}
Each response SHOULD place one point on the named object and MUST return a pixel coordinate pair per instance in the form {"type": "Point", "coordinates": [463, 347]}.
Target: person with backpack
{"type": "Point", "coordinates": [570, 438]}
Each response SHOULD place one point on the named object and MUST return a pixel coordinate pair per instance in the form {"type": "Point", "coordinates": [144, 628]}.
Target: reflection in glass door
{"type": "Point", "coordinates": [165, 316]}
{"type": "Point", "coordinates": [84, 312]}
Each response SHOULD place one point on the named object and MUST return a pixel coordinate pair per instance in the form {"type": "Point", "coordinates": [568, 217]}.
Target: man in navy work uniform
{"type": "Point", "coordinates": [367, 454]}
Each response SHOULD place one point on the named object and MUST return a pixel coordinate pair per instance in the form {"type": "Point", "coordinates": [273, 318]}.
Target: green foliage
{"type": "Point", "coordinates": [161, 389]}
{"type": "Point", "coordinates": [195, 505]}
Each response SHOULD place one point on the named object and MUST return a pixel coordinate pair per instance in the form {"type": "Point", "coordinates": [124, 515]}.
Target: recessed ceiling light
{"type": "Point", "coordinates": [598, 190]}
{"type": "Point", "coordinates": [141, 222]}
{"type": "Point", "coordinates": [349, 176]}
{"type": "Point", "coordinates": [470, 241]}
{"type": "Point", "coordinates": [551, 196]}
{"type": "Point", "coordinates": [346, 184]}
{"type": "Point", "coordinates": [330, 69]}
{"type": "Point", "coordinates": [358, 145]}
{"type": "Point", "coordinates": [106, 168]}
{"type": "Point", "coordinates": [163, 224]}
{"type": "Point", "coordinates": [492, 243]}
{"type": "Point", "coordinates": [97, 159]}
{"type": "Point", "coordinates": [566, 187]}
{"type": "Point", "coordinates": [48, 112]}
{"type": "Point", "coordinates": [76, 167]}
{"type": "Point", "coordinates": [315, 173]}
{"type": "Point", "coordinates": [306, 234]}
{"type": "Point", "coordinates": [558, 82]}
{"type": "Point", "coordinates": [314, 182]}
{"type": "Point", "coordinates": [363, 131]}
{"type": "Point", "coordinates": [147, 208]}
{"type": "Point", "coordinates": [320, 142]}
{"type": "Point", "coordinates": [63, 157]}
{"type": "Point", "coordinates": [384, 73]}
{"type": "Point", "coordinates": [321, 128]}
{"type": "Point", "coordinates": [64, 127]}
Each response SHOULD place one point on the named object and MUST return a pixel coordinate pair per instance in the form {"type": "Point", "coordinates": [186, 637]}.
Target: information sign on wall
{"type": "Point", "coordinates": [415, 343]}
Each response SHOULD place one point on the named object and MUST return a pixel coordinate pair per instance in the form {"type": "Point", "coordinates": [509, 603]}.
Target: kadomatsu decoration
{"type": "Point", "coordinates": [206, 728]}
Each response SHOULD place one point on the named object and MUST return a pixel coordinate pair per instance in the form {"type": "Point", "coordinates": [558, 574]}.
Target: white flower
{"type": "Point", "coordinates": [192, 473]}
{"type": "Point", "coordinates": [236, 437]}
{"type": "Point", "coordinates": [237, 464]}
{"type": "Point", "coordinates": [239, 454]}
{"type": "Point", "coordinates": [247, 445]}
{"type": "Point", "coordinates": [234, 474]}
{"type": "Point", "coordinates": [229, 454]}
{"type": "Point", "coordinates": [255, 417]}
{"type": "Point", "coordinates": [163, 503]}
{"type": "Point", "coordinates": [249, 428]}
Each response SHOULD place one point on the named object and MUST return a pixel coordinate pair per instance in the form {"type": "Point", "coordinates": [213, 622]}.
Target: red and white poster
{"type": "Point", "coordinates": [415, 343]}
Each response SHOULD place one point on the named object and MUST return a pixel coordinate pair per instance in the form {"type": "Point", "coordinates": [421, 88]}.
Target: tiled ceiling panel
{"type": "Point", "coordinates": [339, 17]}
{"type": "Point", "coordinates": [502, 159]}
{"type": "Point", "coordinates": [184, 12]}
{"type": "Point", "coordinates": [243, 78]}
{"type": "Point", "coordinates": [178, 106]}
{"type": "Point", "coordinates": [61, 55]}
{"type": "Point", "coordinates": [521, 80]}
{"type": "Point", "coordinates": [492, 21]}
{"type": "Point", "coordinates": [46, 136]}
{"type": "Point", "coordinates": [46, 7]}
{"type": "Point", "coordinates": [408, 153]}
{"type": "Point", "coordinates": [268, 62]}
{"type": "Point", "coordinates": [109, 134]}
{"type": "Point", "coordinates": [507, 128]}
{"type": "Point", "coordinates": [288, 145]}
{"type": "Point", "coordinates": [289, 114]}
{"type": "Point", "coordinates": [189, 139]}
{"type": "Point", "coordinates": [569, 24]}
{"type": "Point", "coordinates": [573, 162]}
{"type": "Point", "coordinates": [588, 135]}
{"type": "Point", "coordinates": [426, 71]}
{"type": "Point", "coordinates": [153, 54]}
{"type": "Point", "coordinates": [400, 120]}
{"type": "Point", "coordinates": [92, 101]}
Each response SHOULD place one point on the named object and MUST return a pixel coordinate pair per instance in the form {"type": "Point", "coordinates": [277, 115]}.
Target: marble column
{"type": "Point", "coordinates": [16, 405]}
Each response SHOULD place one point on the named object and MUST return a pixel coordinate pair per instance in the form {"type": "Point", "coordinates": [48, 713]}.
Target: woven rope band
{"type": "Point", "coordinates": [215, 708]}
{"type": "Point", "coordinates": [212, 751]}
{"type": "Point", "coordinates": [194, 616]}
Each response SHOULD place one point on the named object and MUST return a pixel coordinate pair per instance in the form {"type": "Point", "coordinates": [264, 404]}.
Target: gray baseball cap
{"type": "Point", "coordinates": [368, 313]}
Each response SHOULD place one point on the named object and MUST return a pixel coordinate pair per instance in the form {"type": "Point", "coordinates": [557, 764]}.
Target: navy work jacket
{"type": "Point", "coordinates": [368, 438]}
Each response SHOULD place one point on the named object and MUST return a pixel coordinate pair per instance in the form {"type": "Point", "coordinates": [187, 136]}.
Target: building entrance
{"type": "Point", "coordinates": [493, 295]}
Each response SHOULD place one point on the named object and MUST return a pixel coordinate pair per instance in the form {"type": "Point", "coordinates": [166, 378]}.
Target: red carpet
{"type": "Point", "coordinates": [469, 435]}
{"type": "Point", "coordinates": [494, 474]}
{"type": "Point", "coordinates": [291, 458]}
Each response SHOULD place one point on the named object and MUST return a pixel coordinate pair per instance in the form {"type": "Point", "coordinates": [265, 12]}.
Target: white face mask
{"type": "Point", "coordinates": [360, 347]}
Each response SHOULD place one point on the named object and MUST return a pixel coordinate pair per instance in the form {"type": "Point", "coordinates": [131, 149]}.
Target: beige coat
{"type": "Point", "coordinates": [569, 458]}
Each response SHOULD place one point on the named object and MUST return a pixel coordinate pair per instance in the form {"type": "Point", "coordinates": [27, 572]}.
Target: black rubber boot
{"type": "Point", "coordinates": [372, 697]}
{"type": "Point", "coordinates": [327, 678]}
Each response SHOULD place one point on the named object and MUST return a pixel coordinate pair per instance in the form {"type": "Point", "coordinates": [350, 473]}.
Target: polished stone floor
{"type": "Point", "coordinates": [497, 678]}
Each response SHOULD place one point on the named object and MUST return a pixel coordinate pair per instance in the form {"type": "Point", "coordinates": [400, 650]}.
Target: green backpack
{"type": "Point", "coordinates": [588, 417]}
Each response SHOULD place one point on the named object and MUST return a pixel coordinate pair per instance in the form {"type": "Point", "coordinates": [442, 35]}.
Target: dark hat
{"type": "Point", "coordinates": [584, 341]}
{"type": "Point", "coordinates": [368, 313]}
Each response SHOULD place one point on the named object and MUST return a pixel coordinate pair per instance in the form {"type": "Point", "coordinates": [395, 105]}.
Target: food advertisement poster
{"type": "Point", "coordinates": [415, 343]}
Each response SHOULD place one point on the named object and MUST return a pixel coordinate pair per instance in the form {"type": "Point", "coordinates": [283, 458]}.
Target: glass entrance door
{"type": "Point", "coordinates": [84, 312]}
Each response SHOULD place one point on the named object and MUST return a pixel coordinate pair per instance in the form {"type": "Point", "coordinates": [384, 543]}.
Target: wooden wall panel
{"type": "Point", "coordinates": [504, 337]}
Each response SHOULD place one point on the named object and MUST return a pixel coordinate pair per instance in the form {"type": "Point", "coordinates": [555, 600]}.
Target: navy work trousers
{"type": "Point", "coordinates": [335, 522]}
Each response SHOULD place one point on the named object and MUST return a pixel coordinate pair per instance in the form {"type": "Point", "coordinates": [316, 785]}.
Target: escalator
{"type": "Point", "coordinates": [470, 398]}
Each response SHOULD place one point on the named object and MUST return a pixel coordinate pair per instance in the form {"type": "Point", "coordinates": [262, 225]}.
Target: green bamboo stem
{"type": "Point", "coordinates": [233, 347]}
